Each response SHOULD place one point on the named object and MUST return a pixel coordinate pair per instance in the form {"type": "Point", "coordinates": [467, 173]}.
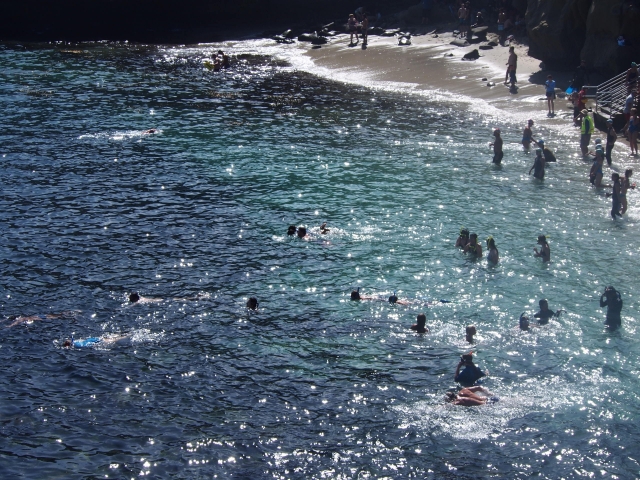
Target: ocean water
{"type": "Point", "coordinates": [312, 385]}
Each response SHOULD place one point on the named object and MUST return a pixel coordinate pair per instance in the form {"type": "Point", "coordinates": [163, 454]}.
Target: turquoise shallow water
{"type": "Point", "coordinates": [312, 385]}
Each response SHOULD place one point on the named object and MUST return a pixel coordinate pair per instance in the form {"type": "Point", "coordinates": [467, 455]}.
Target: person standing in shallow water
{"type": "Point", "coordinates": [512, 66]}
{"type": "Point", "coordinates": [550, 89]}
{"type": "Point", "coordinates": [613, 301]}
{"type": "Point", "coordinates": [625, 185]}
{"type": "Point", "coordinates": [538, 165]}
{"type": "Point", "coordinates": [615, 196]}
{"type": "Point", "coordinates": [498, 154]}
{"type": "Point", "coordinates": [527, 135]}
{"type": "Point", "coordinates": [545, 251]}
{"type": "Point", "coordinates": [612, 136]}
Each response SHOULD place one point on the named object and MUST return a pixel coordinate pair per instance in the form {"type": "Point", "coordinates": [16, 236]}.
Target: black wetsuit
{"type": "Point", "coordinates": [614, 307]}
{"type": "Point", "coordinates": [544, 316]}
{"type": "Point", "coordinates": [538, 168]}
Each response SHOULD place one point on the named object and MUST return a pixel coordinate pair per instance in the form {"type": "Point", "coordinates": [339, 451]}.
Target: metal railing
{"type": "Point", "coordinates": [610, 96]}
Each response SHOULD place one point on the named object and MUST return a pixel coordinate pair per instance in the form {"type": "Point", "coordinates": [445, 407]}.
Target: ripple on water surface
{"type": "Point", "coordinates": [312, 385]}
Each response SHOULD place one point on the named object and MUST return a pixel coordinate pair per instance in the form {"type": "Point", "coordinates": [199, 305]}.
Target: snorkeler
{"type": "Point", "coordinates": [355, 295]}
{"type": "Point", "coordinates": [473, 247]}
{"type": "Point", "coordinates": [302, 232]}
{"type": "Point", "coordinates": [252, 303]}
{"type": "Point", "coordinates": [538, 165]}
{"type": "Point", "coordinates": [545, 250]}
{"type": "Point", "coordinates": [463, 238]}
{"type": "Point", "coordinates": [468, 397]}
{"type": "Point", "coordinates": [524, 322]}
{"type": "Point", "coordinates": [545, 313]}
{"type": "Point", "coordinates": [470, 332]}
{"type": "Point", "coordinates": [420, 326]}
{"type": "Point", "coordinates": [106, 340]}
{"type": "Point", "coordinates": [393, 300]}
{"type": "Point", "coordinates": [498, 154]}
{"type": "Point", "coordinates": [613, 303]}
{"type": "Point", "coordinates": [28, 319]}
{"type": "Point", "coordinates": [493, 255]}
{"type": "Point", "coordinates": [291, 230]}
{"type": "Point", "coordinates": [471, 373]}
{"type": "Point", "coordinates": [323, 229]}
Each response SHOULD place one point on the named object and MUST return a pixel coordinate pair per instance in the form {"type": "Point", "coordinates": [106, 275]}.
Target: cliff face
{"type": "Point", "coordinates": [562, 32]}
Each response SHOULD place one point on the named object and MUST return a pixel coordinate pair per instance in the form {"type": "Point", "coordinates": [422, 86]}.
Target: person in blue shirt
{"type": "Point", "coordinates": [550, 87]}
{"type": "Point", "coordinates": [470, 373]}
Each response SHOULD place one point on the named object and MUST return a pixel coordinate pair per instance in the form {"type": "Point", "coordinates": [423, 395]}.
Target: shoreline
{"type": "Point", "coordinates": [432, 67]}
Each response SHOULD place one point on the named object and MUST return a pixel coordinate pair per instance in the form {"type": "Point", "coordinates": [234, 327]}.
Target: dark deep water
{"type": "Point", "coordinates": [312, 385]}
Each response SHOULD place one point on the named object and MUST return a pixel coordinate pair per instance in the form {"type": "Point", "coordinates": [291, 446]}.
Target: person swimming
{"type": "Point", "coordinates": [106, 340]}
{"type": "Point", "coordinates": [463, 238]}
{"type": "Point", "coordinates": [355, 295]}
{"type": "Point", "coordinates": [545, 250]}
{"type": "Point", "coordinates": [302, 232]}
{"type": "Point", "coordinates": [393, 299]}
{"type": "Point", "coordinates": [470, 331]}
{"type": "Point", "coordinates": [470, 373]}
{"type": "Point", "coordinates": [291, 230]}
{"type": "Point", "coordinates": [524, 322]}
{"type": "Point", "coordinates": [252, 303]}
{"type": "Point", "coordinates": [545, 312]}
{"type": "Point", "coordinates": [420, 325]}
{"type": "Point", "coordinates": [28, 319]}
{"type": "Point", "coordinates": [323, 229]}
{"type": "Point", "coordinates": [473, 247]}
{"type": "Point", "coordinates": [493, 255]}
{"type": "Point", "coordinates": [468, 397]}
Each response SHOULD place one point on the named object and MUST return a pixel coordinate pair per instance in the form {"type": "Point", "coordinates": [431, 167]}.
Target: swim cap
{"type": "Point", "coordinates": [530, 122]}
{"type": "Point", "coordinates": [598, 140]}
{"type": "Point", "coordinates": [609, 120]}
{"type": "Point", "coordinates": [464, 232]}
{"type": "Point", "coordinates": [633, 64]}
{"type": "Point", "coordinates": [538, 150]}
{"type": "Point", "coordinates": [496, 131]}
{"type": "Point", "coordinates": [541, 141]}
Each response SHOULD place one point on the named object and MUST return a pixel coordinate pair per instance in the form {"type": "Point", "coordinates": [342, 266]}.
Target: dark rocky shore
{"type": "Point", "coordinates": [560, 31]}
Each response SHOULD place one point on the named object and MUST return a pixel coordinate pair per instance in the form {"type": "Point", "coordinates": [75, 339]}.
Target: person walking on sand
{"type": "Point", "coordinates": [512, 65]}
{"type": "Point", "coordinates": [624, 186]}
{"type": "Point", "coordinates": [352, 23]}
{"type": "Point", "coordinates": [364, 26]}
{"type": "Point", "coordinates": [497, 147]}
{"type": "Point", "coordinates": [550, 88]}
{"type": "Point", "coordinates": [612, 136]}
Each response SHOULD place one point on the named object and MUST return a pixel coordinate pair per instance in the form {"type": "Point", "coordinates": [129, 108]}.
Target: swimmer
{"type": "Point", "coordinates": [545, 250]}
{"type": "Point", "coordinates": [527, 135]}
{"type": "Point", "coordinates": [302, 232]}
{"type": "Point", "coordinates": [106, 340]}
{"type": "Point", "coordinates": [468, 397]}
{"type": "Point", "coordinates": [626, 185]}
{"type": "Point", "coordinates": [323, 229]}
{"type": "Point", "coordinates": [291, 230]}
{"type": "Point", "coordinates": [135, 297]}
{"type": "Point", "coordinates": [420, 326]}
{"type": "Point", "coordinates": [252, 303]}
{"type": "Point", "coordinates": [492, 256]}
{"type": "Point", "coordinates": [538, 165]}
{"type": "Point", "coordinates": [498, 154]}
{"type": "Point", "coordinates": [393, 300]}
{"type": "Point", "coordinates": [613, 302]}
{"type": "Point", "coordinates": [473, 247]}
{"type": "Point", "coordinates": [151, 131]}
{"type": "Point", "coordinates": [355, 295]}
{"type": "Point", "coordinates": [224, 59]}
{"type": "Point", "coordinates": [471, 373]}
{"type": "Point", "coordinates": [524, 322]}
{"type": "Point", "coordinates": [463, 238]}
{"type": "Point", "coordinates": [595, 174]}
{"type": "Point", "coordinates": [471, 331]}
{"type": "Point", "coordinates": [549, 156]}
{"type": "Point", "coordinates": [28, 319]}
{"type": "Point", "coordinates": [545, 313]}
